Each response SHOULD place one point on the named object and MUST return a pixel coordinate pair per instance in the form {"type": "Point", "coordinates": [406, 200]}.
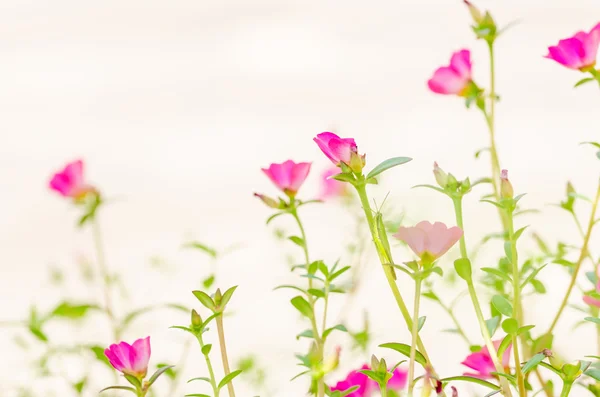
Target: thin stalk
{"type": "Point", "coordinates": [582, 256]}
{"type": "Point", "coordinates": [325, 307]}
{"type": "Point", "coordinates": [383, 389]}
{"type": "Point", "coordinates": [485, 333]}
{"type": "Point", "coordinates": [211, 372]}
{"type": "Point", "coordinates": [387, 269]}
{"type": "Point", "coordinates": [566, 389]}
{"type": "Point", "coordinates": [103, 270]}
{"type": "Point", "coordinates": [415, 334]}
{"type": "Point", "coordinates": [311, 301]}
{"type": "Point", "coordinates": [222, 344]}
{"type": "Point", "coordinates": [516, 300]}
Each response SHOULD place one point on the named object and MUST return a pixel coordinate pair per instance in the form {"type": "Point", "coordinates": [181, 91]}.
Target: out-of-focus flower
{"type": "Point", "coordinates": [130, 359]}
{"type": "Point", "coordinates": [367, 386]}
{"type": "Point", "coordinates": [506, 188]}
{"type": "Point", "coordinates": [455, 78]}
{"type": "Point", "coordinates": [70, 181]}
{"type": "Point", "coordinates": [578, 52]}
{"type": "Point", "coordinates": [481, 362]}
{"type": "Point", "coordinates": [340, 150]}
{"type": "Point", "coordinates": [441, 177]}
{"type": "Point", "coordinates": [270, 202]}
{"type": "Point", "coordinates": [590, 300]}
{"type": "Point", "coordinates": [429, 241]}
{"type": "Point", "coordinates": [288, 176]}
{"type": "Point", "coordinates": [331, 188]}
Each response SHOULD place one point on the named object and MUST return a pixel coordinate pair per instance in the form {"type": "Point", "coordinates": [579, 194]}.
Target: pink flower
{"type": "Point", "coordinates": [69, 182]}
{"type": "Point", "coordinates": [577, 52]}
{"type": "Point", "coordinates": [368, 386]}
{"type": "Point", "coordinates": [330, 187]}
{"type": "Point", "coordinates": [288, 176]}
{"type": "Point", "coordinates": [338, 150]}
{"type": "Point", "coordinates": [454, 78]}
{"type": "Point", "coordinates": [130, 359]}
{"type": "Point", "coordinates": [481, 362]}
{"type": "Point", "coordinates": [591, 300]}
{"type": "Point", "coordinates": [429, 241]}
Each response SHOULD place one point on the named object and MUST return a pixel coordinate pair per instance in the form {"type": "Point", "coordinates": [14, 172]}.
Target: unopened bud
{"type": "Point", "coordinates": [506, 189]}
{"type": "Point", "coordinates": [547, 352]}
{"type": "Point", "coordinates": [465, 186]}
{"type": "Point", "coordinates": [196, 319]}
{"type": "Point", "coordinates": [331, 362]}
{"type": "Point", "coordinates": [357, 162]}
{"type": "Point", "coordinates": [452, 182]}
{"type": "Point", "coordinates": [267, 200]}
{"type": "Point", "coordinates": [374, 363]}
{"type": "Point", "coordinates": [218, 297]}
{"type": "Point", "coordinates": [475, 13]}
{"type": "Point", "coordinates": [440, 176]}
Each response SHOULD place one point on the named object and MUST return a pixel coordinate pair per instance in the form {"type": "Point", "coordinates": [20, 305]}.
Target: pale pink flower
{"type": "Point", "coordinates": [338, 150]}
{"type": "Point", "coordinates": [130, 359]}
{"type": "Point", "coordinates": [331, 188]}
{"type": "Point", "coordinates": [481, 362]}
{"type": "Point", "coordinates": [429, 241]}
{"type": "Point", "coordinates": [454, 78]}
{"type": "Point", "coordinates": [591, 300]}
{"type": "Point", "coordinates": [288, 176]}
{"type": "Point", "coordinates": [367, 386]}
{"type": "Point", "coordinates": [577, 52]}
{"type": "Point", "coordinates": [70, 181]}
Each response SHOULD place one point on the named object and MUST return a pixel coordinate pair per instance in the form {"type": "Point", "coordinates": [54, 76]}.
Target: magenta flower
{"type": "Point", "coordinates": [288, 176]}
{"type": "Point", "coordinates": [577, 52]}
{"type": "Point", "coordinates": [429, 241]}
{"type": "Point", "coordinates": [367, 386]}
{"type": "Point", "coordinates": [70, 182]}
{"type": "Point", "coordinates": [130, 359]}
{"type": "Point", "coordinates": [338, 150]}
{"type": "Point", "coordinates": [331, 188]}
{"type": "Point", "coordinates": [481, 362]}
{"type": "Point", "coordinates": [455, 78]}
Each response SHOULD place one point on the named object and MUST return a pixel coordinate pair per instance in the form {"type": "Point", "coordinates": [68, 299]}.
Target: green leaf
{"type": "Point", "coordinates": [297, 240]}
{"type": "Point", "coordinates": [405, 349]}
{"type": "Point", "coordinates": [207, 380]}
{"type": "Point", "coordinates": [421, 322]}
{"type": "Point", "coordinates": [170, 372]}
{"type": "Point", "coordinates": [38, 333]}
{"type": "Point", "coordinates": [199, 246]}
{"type": "Point", "coordinates": [524, 328]}
{"type": "Point", "coordinates": [463, 268]}
{"type": "Point", "coordinates": [532, 275]}
{"type": "Point", "coordinates": [472, 380]}
{"type": "Point", "coordinates": [519, 232]}
{"type": "Point", "coordinates": [197, 395]}
{"type": "Point", "coordinates": [431, 187]}
{"type": "Point", "coordinates": [593, 320]}
{"type": "Point", "coordinates": [209, 281]}
{"type": "Point", "coordinates": [158, 373]}
{"type": "Point", "coordinates": [100, 356]}
{"type": "Point", "coordinates": [205, 299]}
{"type": "Point", "coordinates": [133, 380]}
{"type": "Point", "coordinates": [502, 305]}
{"type": "Point", "coordinates": [227, 296]}
{"type": "Point", "coordinates": [303, 306]}
{"type": "Point", "coordinates": [504, 345]}
{"type": "Point", "coordinates": [290, 287]}
{"type": "Point", "coordinates": [206, 349]}
{"type": "Point", "coordinates": [498, 273]}
{"type": "Point", "coordinates": [510, 326]}
{"type": "Point", "coordinates": [338, 273]}
{"type": "Point", "coordinates": [269, 219]}
{"type": "Point", "coordinates": [387, 164]}
{"type": "Point", "coordinates": [593, 373]}
{"type": "Point", "coordinates": [583, 81]}
{"type": "Point", "coordinates": [131, 389]}
{"type": "Point", "coordinates": [228, 378]}
{"type": "Point", "coordinates": [492, 324]}
{"type": "Point", "coordinates": [72, 311]}
{"type": "Point", "coordinates": [533, 362]}
{"type": "Point", "coordinates": [338, 327]}
{"type": "Point", "coordinates": [344, 177]}
{"type": "Point", "coordinates": [299, 375]}
{"type": "Point", "coordinates": [316, 292]}
{"type": "Point", "coordinates": [305, 334]}
{"type": "Point", "coordinates": [493, 202]}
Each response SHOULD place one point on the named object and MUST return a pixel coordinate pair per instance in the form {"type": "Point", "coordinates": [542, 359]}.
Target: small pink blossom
{"type": "Point", "coordinates": [367, 386]}
{"type": "Point", "coordinates": [577, 52]}
{"type": "Point", "coordinates": [506, 188]}
{"type": "Point", "coordinates": [288, 176]}
{"type": "Point", "coordinates": [429, 241]}
{"type": "Point", "coordinates": [70, 181]}
{"type": "Point", "coordinates": [331, 188]}
{"type": "Point", "coordinates": [338, 150]}
{"type": "Point", "coordinates": [481, 362]}
{"type": "Point", "coordinates": [454, 78]}
{"type": "Point", "coordinates": [130, 359]}
{"type": "Point", "coordinates": [591, 300]}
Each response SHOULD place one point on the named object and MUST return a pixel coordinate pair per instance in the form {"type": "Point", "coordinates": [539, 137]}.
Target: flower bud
{"type": "Point", "coordinates": [475, 13]}
{"type": "Point", "coordinates": [218, 297]}
{"type": "Point", "coordinates": [270, 202]}
{"type": "Point", "coordinates": [506, 189]}
{"type": "Point", "coordinates": [331, 362]}
{"type": "Point", "coordinates": [196, 319]}
{"type": "Point", "coordinates": [374, 362]}
{"type": "Point", "coordinates": [440, 176]}
{"type": "Point", "coordinates": [452, 182]}
{"type": "Point", "coordinates": [357, 162]}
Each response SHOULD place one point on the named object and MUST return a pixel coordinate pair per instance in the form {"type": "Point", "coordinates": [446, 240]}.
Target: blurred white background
{"type": "Point", "coordinates": [176, 105]}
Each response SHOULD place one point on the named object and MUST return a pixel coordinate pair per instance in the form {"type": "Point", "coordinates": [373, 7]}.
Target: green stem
{"type": "Point", "coordinates": [485, 333]}
{"type": "Point", "coordinates": [211, 372]}
{"type": "Point", "coordinates": [317, 336]}
{"type": "Point", "coordinates": [582, 256]}
{"type": "Point", "coordinates": [516, 299]}
{"type": "Point", "coordinates": [387, 269]}
{"type": "Point", "coordinates": [566, 389]}
{"type": "Point", "coordinates": [383, 388]}
{"type": "Point", "coordinates": [415, 334]}
{"type": "Point", "coordinates": [104, 274]}
{"type": "Point", "coordinates": [223, 345]}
